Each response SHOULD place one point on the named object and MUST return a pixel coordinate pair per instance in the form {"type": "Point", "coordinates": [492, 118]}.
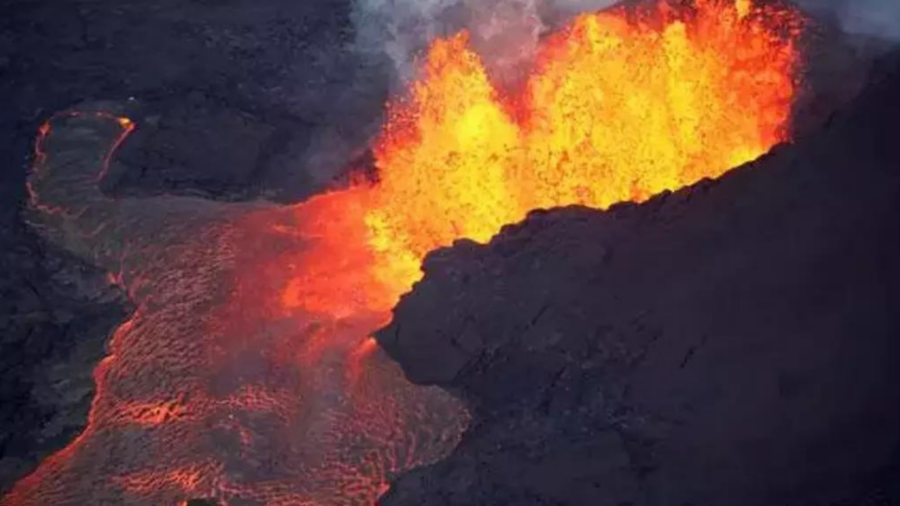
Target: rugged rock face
{"type": "Point", "coordinates": [55, 316]}
{"type": "Point", "coordinates": [736, 342]}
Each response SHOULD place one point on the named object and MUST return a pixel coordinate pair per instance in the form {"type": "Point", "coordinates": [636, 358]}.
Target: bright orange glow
{"type": "Point", "coordinates": [444, 159]}
{"type": "Point", "coordinates": [621, 105]}
{"type": "Point", "coordinates": [150, 414]}
{"type": "Point", "coordinates": [248, 373]}
{"type": "Point", "coordinates": [622, 111]}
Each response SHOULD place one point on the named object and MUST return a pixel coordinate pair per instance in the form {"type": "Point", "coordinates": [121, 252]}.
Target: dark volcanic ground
{"type": "Point", "coordinates": [232, 97]}
{"type": "Point", "coordinates": [733, 343]}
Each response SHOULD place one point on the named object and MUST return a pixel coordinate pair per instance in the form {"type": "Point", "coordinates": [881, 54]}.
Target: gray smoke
{"type": "Point", "coordinates": [876, 18]}
{"type": "Point", "coordinates": [504, 32]}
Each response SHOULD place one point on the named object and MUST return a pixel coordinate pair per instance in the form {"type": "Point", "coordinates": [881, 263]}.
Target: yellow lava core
{"type": "Point", "coordinates": [620, 105]}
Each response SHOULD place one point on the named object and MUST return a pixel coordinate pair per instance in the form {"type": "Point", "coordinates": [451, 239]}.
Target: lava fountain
{"type": "Point", "coordinates": [247, 373]}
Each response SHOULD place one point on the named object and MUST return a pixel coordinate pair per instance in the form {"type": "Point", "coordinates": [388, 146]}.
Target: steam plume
{"type": "Point", "coordinates": [877, 18]}
{"type": "Point", "coordinates": [505, 32]}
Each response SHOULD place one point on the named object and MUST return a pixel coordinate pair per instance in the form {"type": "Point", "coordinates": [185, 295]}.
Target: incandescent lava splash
{"type": "Point", "coordinates": [247, 373]}
{"type": "Point", "coordinates": [620, 105]}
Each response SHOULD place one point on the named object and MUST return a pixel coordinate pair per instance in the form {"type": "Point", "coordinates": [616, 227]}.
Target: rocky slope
{"type": "Point", "coordinates": [733, 343]}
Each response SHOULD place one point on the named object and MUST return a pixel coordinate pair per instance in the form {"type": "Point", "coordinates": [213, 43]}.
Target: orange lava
{"type": "Point", "coordinates": [621, 105]}
{"type": "Point", "coordinates": [248, 372]}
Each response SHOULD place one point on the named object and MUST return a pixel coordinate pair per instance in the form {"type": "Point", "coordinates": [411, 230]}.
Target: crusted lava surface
{"type": "Point", "coordinates": [236, 81]}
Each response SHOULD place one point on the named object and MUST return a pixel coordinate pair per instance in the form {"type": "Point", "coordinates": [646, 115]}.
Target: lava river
{"type": "Point", "coordinates": [247, 372]}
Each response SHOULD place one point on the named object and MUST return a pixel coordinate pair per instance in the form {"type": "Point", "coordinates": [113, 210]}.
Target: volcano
{"type": "Point", "coordinates": [248, 372]}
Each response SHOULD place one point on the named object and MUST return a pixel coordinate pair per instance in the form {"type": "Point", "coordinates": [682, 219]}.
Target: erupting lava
{"type": "Point", "coordinates": [247, 372]}
{"type": "Point", "coordinates": [621, 105]}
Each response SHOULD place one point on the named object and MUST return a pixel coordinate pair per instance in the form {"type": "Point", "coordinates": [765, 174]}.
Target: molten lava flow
{"type": "Point", "coordinates": [212, 388]}
{"type": "Point", "coordinates": [248, 373]}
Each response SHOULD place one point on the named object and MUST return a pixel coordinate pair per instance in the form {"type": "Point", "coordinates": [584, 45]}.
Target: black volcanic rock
{"type": "Point", "coordinates": [194, 146]}
{"type": "Point", "coordinates": [241, 96]}
{"type": "Point", "coordinates": [202, 502]}
{"type": "Point", "coordinates": [56, 314]}
{"type": "Point", "coordinates": [733, 343]}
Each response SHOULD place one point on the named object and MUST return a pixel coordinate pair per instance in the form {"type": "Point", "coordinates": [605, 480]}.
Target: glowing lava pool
{"type": "Point", "coordinates": [247, 372]}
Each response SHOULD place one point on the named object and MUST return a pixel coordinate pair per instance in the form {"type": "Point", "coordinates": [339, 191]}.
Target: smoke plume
{"type": "Point", "coordinates": [876, 18]}
{"type": "Point", "coordinates": [504, 32]}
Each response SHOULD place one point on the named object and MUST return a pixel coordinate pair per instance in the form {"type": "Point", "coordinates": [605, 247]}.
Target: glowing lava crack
{"type": "Point", "coordinates": [247, 372]}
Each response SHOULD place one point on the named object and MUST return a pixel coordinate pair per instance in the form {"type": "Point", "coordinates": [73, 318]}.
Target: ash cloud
{"type": "Point", "coordinates": [504, 32]}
